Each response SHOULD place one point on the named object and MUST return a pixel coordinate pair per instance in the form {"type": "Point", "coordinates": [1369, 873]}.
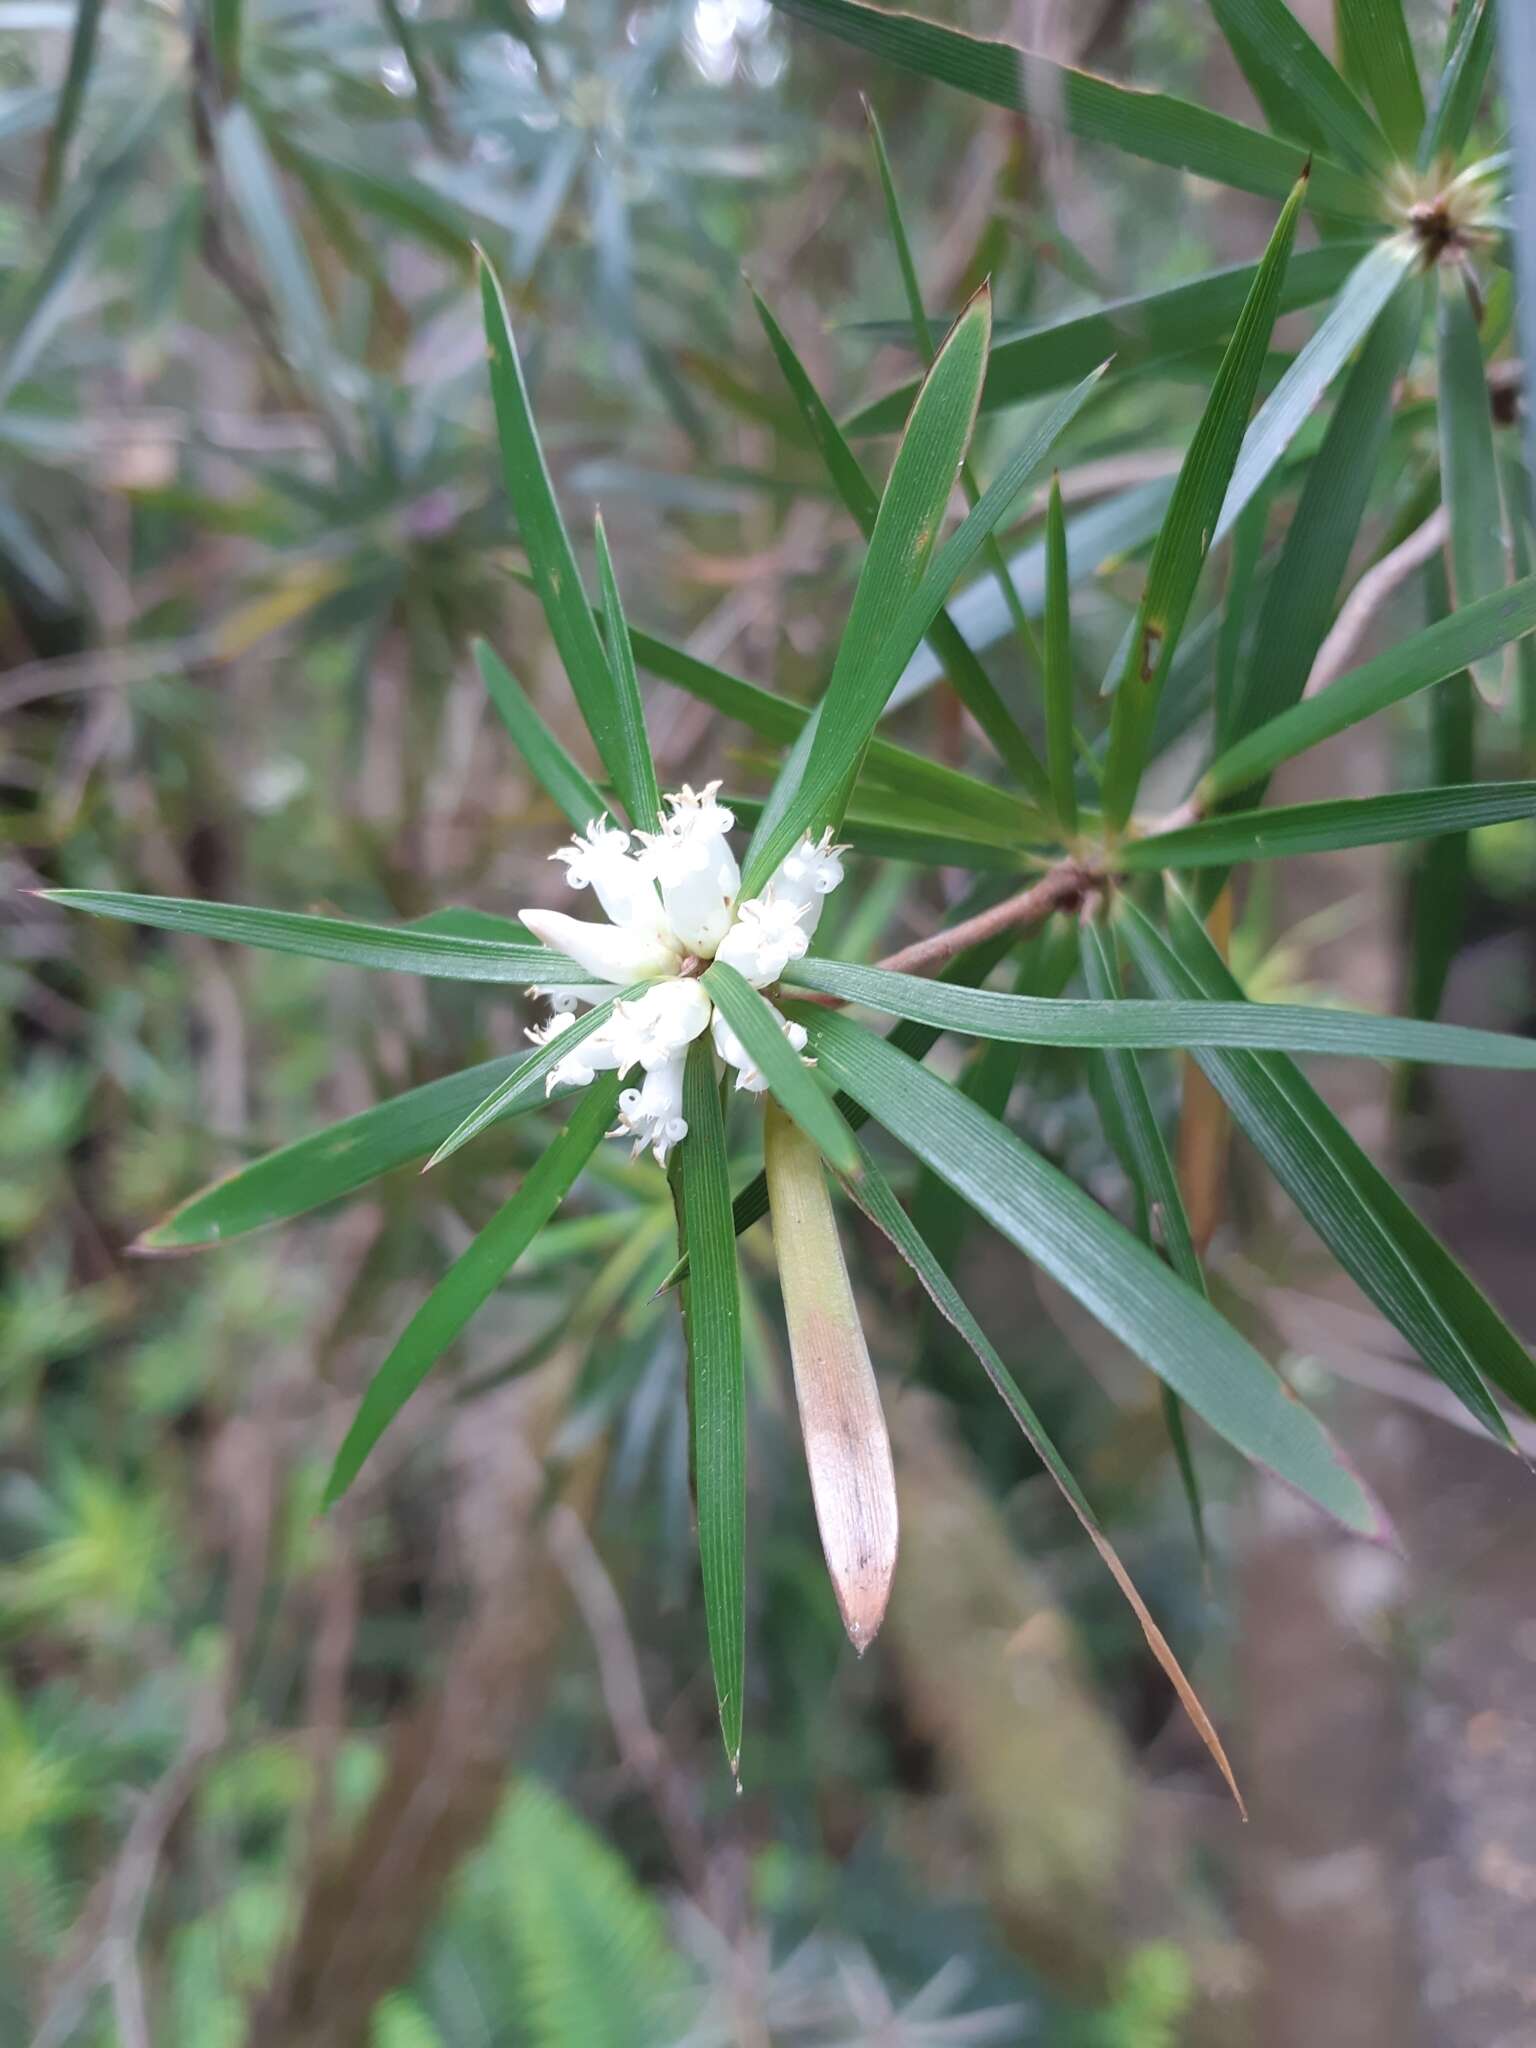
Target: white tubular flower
{"type": "Point", "coordinates": [766, 936]}
{"type": "Point", "coordinates": [692, 860]}
{"type": "Point", "coordinates": [668, 895]}
{"type": "Point", "coordinates": [806, 876]}
{"type": "Point", "coordinates": [600, 859]}
{"type": "Point", "coordinates": [730, 1048]}
{"type": "Point", "coordinates": [600, 1052]}
{"type": "Point", "coordinates": [615, 953]}
{"type": "Point", "coordinates": [665, 1020]}
{"type": "Point", "coordinates": [652, 1114]}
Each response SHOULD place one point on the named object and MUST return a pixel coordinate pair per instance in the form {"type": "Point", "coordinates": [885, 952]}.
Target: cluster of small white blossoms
{"type": "Point", "coordinates": [670, 898]}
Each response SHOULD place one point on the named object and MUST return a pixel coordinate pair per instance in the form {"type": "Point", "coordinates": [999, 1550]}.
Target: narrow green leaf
{"type": "Point", "coordinates": [877, 1199]}
{"type": "Point", "coordinates": [883, 830]}
{"type": "Point", "coordinates": [1097, 539]}
{"type": "Point", "coordinates": [1363, 297]}
{"type": "Point", "coordinates": [472, 1278]}
{"type": "Point", "coordinates": [792, 1084]}
{"type": "Point", "coordinates": [1415, 664]}
{"type": "Point", "coordinates": [901, 545]}
{"type": "Point", "coordinates": [328, 1164]}
{"type": "Point", "coordinates": [922, 338]}
{"type": "Point", "coordinates": [1042, 1020]}
{"type": "Point", "coordinates": [1154, 1167]}
{"type": "Point", "coordinates": [1186, 534]}
{"type": "Point", "coordinates": [1352, 1206]}
{"type": "Point", "coordinates": [552, 766]}
{"type": "Point", "coordinates": [1058, 666]}
{"type": "Point", "coordinates": [1378, 50]}
{"type": "Point", "coordinates": [1297, 66]}
{"type": "Point", "coordinates": [524, 1086]}
{"type": "Point", "coordinates": [711, 1304]}
{"type": "Point", "coordinates": [1118, 1280]}
{"type": "Point", "coordinates": [637, 786]}
{"type": "Point", "coordinates": [1300, 600]}
{"type": "Point", "coordinates": [1153, 125]}
{"type": "Point", "coordinates": [402, 949]}
{"type": "Point", "coordinates": [861, 686]}
{"type": "Point", "coordinates": [1442, 875]}
{"type": "Point", "coordinates": [780, 719]}
{"type": "Point", "coordinates": [1469, 467]}
{"type": "Point", "coordinates": [1144, 1153]}
{"type": "Point", "coordinates": [1459, 92]}
{"type": "Point", "coordinates": [1327, 827]}
{"type": "Point", "coordinates": [971, 682]}
{"type": "Point", "coordinates": [77, 76]}
{"type": "Point", "coordinates": [1137, 332]}
{"type": "Point", "coordinates": [550, 557]}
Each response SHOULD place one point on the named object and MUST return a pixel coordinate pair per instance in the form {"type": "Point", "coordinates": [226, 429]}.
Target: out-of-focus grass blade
{"type": "Point", "coordinates": [472, 1278]}
{"type": "Point", "coordinates": [1351, 1205]}
{"type": "Point", "coordinates": [226, 33]}
{"type": "Point", "coordinates": [1364, 296]}
{"type": "Point", "coordinates": [637, 785]}
{"type": "Point", "coordinates": [1152, 1173]}
{"type": "Point", "coordinates": [525, 1084]}
{"type": "Point", "coordinates": [717, 1404]}
{"type": "Point", "coordinates": [1043, 1020]}
{"type": "Point", "coordinates": [1469, 467]}
{"type": "Point", "coordinates": [971, 682]}
{"type": "Point", "coordinates": [1459, 92]}
{"type": "Point", "coordinates": [792, 1084]}
{"type": "Point", "coordinates": [257, 195]}
{"type": "Point", "coordinates": [1153, 125]}
{"type": "Point", "coordinates": [328, 1164]}
{"type": "Point", "coordinates": [877, 1199]}
{"type": "Point", "coordinates": [403, 949]}
{"type": "Point", "coordinates": [1186, 534]}
{"type": "Point", "coordinates": [1333, 824]}
{"type": "Point", "coordinates": [1058, 666]}
{"type": "Point", "coordinates": [556, 772]}
{"type": "Point", "coordinates": [1300, 600]}
{"type": "Point", "coordinates": [32, 307]}
{"type": "Point", "coordinates": [77, 76]}
{"type": "Point", "coordinates": [1118, 1280]}
{"type": "Point", "coordinates": [1297, 66]}
{"type": "Point", "coordinates": [851, 714]}
{"type": "Point", "coordinates": [409, 204]}
{"type": "Point", "coordinates": [902, 543]}
{"type": "Point", "coordinates": [556, 577]}
{"type": "Point", "coordinates": [847, 1448]}
{"type": "Point", "coordinates": [1377, 50]}
{"type": "Point", "coordinates": [1138, 332]}
{"type": "Point", "coordinates": [1415, 664]}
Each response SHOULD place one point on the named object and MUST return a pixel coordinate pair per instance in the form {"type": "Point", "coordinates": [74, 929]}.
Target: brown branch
{"type": "Point", "coordinates": [1063, 888]}
{"type": "Point", "coordinates": [1338, 651]}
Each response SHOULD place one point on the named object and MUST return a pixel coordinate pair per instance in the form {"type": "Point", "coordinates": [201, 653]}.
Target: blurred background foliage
{"type": "Point", "coordinates": [441, 1770]}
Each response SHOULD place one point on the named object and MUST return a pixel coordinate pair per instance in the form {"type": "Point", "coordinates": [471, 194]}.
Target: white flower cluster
{"type": "Point", "coordinates": [670, 900]}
